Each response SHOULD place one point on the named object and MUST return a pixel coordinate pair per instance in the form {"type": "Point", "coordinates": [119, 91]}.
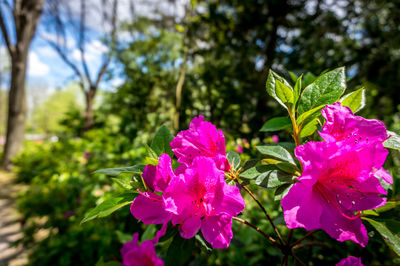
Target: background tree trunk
{"type": "Point", "coordinates": [26, 14]}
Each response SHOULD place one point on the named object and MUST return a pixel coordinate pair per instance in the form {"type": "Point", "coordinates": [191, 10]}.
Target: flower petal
{"type": "Point", "coordinates": [149, 208]}
{"type": "Point", "coordinates": [190, 227]}
{"type": "Point", "coordinates": [217, 230]}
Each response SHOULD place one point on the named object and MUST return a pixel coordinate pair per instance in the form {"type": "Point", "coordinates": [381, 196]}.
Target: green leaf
{"type": "Point", "coordinates": [149, 160]}
{"type": "Point", "coordinates": [123, 237]}
{"type": "Point", "coordinates": [326, 89]}
{"type": "Point", "coordinates": [179, 251]}
{"type": "Point", "coordinates": [161, 141]}
{"type": "Point", "coordinates": [297, 89]}
{"type": "Point", "coordinates": [149, 232]}
{"type": "Point", "coordinates": [382, 226]}
{"type": "Point", "coordinates": [249, 164]}
{"type": "Point", "coordinates": [116, 171]}
{"type": "Point", "coordinates": [388, 206]}
{"type": "Point", "coordinates": [271, 85]}
{"type": "Point", "coordinates": [282, 190]}
{"type": "Point", "coordinates": [309, 128]}
{"type": "Point", "coordinates": [273, 179]}
{"type": "Point", "coordinates": [150, 153]}
{"type": "Point", "coordinates": [109, 206]}
{"type": "Point", "coordinates": [123, 181]}
{"type": "Point", "coordinates": [234, 159]}
{"type": "Point", "coordinates": [286, 167]}
{"type": "Point", "coordinates": [203, 243]}
{"type": "Point", "coordinates": [275, 124]}
{"type": "Point", "coordinates": [393, 142]}
{"type": "Point", "coordinates": [308, 114]}
{"type": "Point", "coordinates": [293, 76]}
{"type": "Point", "coordinates": [284, 93]}
{"type": "Point", "coordinates": [355, 100]}
{"type": "Point", "coordinates": [256, 171]}
{"type": "Point", "coordinates": [277, 151]}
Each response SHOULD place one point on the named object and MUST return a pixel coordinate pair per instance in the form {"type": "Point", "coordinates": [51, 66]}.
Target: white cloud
{"type": "Point", "coordinates": [36, 67]}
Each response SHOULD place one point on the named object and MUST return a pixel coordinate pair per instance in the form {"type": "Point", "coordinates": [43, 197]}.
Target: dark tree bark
{"type": "Point", "coordinates": [26, 15]}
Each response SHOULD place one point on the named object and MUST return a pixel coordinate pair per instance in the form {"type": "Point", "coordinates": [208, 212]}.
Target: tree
{"type": "Point", "coordinates": [66, 26]}
{"type": "Point", "coordinates": [25, 17]}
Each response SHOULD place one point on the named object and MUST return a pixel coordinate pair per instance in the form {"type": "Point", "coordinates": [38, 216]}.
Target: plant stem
{"type": "Point", "coordinates": [296, 133]}
{"type": "Point", "coordinates": [298, 260]}
{"type": "Point", "coordinates": [258, 230]}
{"type": "Point", "coordinates": [266, 214]}
{"type": "Point", "coordinates": [289, 237]}
{"type": "Point", "coordinates": [305, 236]}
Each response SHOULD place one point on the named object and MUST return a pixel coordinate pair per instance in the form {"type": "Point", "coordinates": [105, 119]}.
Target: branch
{"type": "Point", "coordinates": [266, 214]}
{"type": "Point", "coordinates": [310, 233]}
{"type": "Point", "coordinates": [10, 47]}
{"type": "Point", "coordinates": [103, 68]}
{"type": "Point", "coordinates": [82, 40]}
{"type": "Point", "coordinates": [258, 230]}
{"type": "Point", "coordinates": [68, 62]}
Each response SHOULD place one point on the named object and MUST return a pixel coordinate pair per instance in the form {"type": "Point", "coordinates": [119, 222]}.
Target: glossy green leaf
{"type": "Point", "coordinates": [149, 233]}
{"type": "Point", "coordinates": [249, 164]}
{"type": "Point", "coordinates": [234, 159]}
{"type": "Point", "coordinates": [277, 123]}
{"type": "Point", "coordinates": [308, 114]}
{"type": "Point", "coordinates": [391, 238]}
{"type": "Point", "coordinates": [354, 100]}
{"type": "Point", "coordinates": [284, 93]}
{"type": "Point", "coordinates": [204, 244]}
{"type": "Point", "coordinates": [393, 142]}
{"type": "Point", "coordinates": [179, 251]}
{"type": "Point", "coordinates": [388, 206]}
{"type": "Point", "coordinates": [326, 89]}
{"type": "Point", "coordinates": [256, 171]}
{"type": "Point", "coordinates": [282, 190]}
{"type": "Point", "coordinates": [309, 128]}
{"type": "Point", "coordinates": [116, 171]}
{"type": "Point", "coordinates": [123, 181]}
{"type": "Point", "coordinates": [109, 206]}
{"type": "Point", "coordinates": [161, 141]}
{"type": "Point", "coordinates": [150, 153]}
{"type": "Point", "coordinates": [277, 151]}
{"type": "Point", "coordinates": [123, 237]}
{"type": "Point", "coordinates": [271, 85]}
{"type": "Point", "coordinates": [285, 167]}
{"type": "Point", "coordinates": [273, 179]}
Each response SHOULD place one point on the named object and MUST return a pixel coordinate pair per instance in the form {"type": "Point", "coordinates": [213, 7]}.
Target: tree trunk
{"type": "Point", "coordinates": [89, 115]}
{"type": "Point", "coordinates": [16, 109]}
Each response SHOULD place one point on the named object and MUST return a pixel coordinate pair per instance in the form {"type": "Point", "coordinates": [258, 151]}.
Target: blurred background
{"type": "Point", "coordinates": [85, 84]}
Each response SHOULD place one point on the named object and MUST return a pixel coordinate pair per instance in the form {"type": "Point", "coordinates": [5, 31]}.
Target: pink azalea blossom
{"type": "Point", "coordinates": [200, 199]}
{"type": "Point", "coordinates": [239, 149]}
{"type": "Point", "coordinates": [134, 254]}
{"type": "Point", "coordinates": [148, 206]}
{"type": "Point", "coordinates": [336, 184]}
{"type": "Point", "coordinates": [201, 139]}
{"type": "Point", "coordinates": [350, 261]}
{"type": "Point", "coordinates": [275, 139]}
{"type": "Point", "coordinates": [342, 125]}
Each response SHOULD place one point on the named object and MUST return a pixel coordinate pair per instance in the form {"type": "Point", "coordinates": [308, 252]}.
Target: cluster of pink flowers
{"type": "Point", "coordinates": [194, 196]}
{"type": "Point", "coordinates": [341, 176]}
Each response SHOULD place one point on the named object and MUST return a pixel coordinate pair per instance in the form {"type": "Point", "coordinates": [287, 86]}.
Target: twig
{"type": "Point", "coordinates": [258, 230]}
{"type": "Point", "coordinates": [266, 214]}
{"type": "Point", "coordinates": [284, 260]}
{"type": "Point", "coordinates": [298, 259]}
{"type": "Point", "coordinates": [289, 237]}
{"type": "Point", "coordinates": [311, 243]}
{"type": "Point", "coordinates": [305, 236]}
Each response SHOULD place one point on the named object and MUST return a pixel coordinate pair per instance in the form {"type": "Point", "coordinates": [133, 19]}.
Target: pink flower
{"type": "Point", "coordinates": [139, 255]}
{"type": "Point", "coordinates": [275, 139]}
{"type": "Point", "coordinates": [201, 139]}
{"type": "Point", "coordinates": [148, 206]}
{"type": "Point", "coordinates": [336, 184]}
{"type": "Point", "coordinates": [342, 125]}
{"type": "Point", "coordinates": [350, 261]}
{"type": "Point", "coordinates": [239, 149]}
{"type": "Point", "coordinates": [201, 199]}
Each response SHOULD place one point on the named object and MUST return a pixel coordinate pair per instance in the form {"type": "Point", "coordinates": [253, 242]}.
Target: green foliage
{"type": "Point", "coordinates": [276, 123]}
{"type": "Point", "coordinates": [355, 100]}
{"type": "Point", "coordinates": [179, 251]}
{"type": "Point", "coordinates": [326, 89]}
{"type": "Point", "coordinates": [382, 226]}
{"type": "Point", "coordinates": [393, 142]}
{"type": "Point", "coordinates": [161, 142]}
{"type": "Point", "coordinates": [277, 151]}
{"type": "Point", "coordinates": [234, 159]}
